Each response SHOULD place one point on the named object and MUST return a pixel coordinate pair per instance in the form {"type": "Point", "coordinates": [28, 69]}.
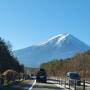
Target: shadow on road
{"type": "Point", "coordinates": [10, 88]}
{"type": "Point", "coordinates": [16, 87]}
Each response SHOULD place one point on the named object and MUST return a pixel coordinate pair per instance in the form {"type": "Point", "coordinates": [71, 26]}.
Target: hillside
{"type": "Point", "coordinates": [59, 47]}
{"type": "Point", "coordinates": [79, 63]}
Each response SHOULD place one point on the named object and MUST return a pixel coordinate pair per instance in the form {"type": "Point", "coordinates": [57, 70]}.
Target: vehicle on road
{"type": "Point", "coordinates": [73, 78]}
{"type": "Point", "coordinates": [41, 76]}
{"type": "Point", "coordinates": [32, 77]}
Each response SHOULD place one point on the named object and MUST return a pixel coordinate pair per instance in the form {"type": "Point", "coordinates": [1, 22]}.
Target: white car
{"type": "Point", "coordinates": [73, 78]}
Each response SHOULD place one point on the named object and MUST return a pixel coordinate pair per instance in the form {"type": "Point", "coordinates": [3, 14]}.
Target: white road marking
{"type": "Point", "coordinates": [32, 85]}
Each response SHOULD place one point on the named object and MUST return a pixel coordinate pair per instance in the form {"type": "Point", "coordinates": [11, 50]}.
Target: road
{"type": "Point", "coordinates": [46, 86]}
{"type": "Point", "coordinates": [32, 85]}
{"type": "Point", "coordinates": [78, 87]}
{"type": "Point", "coordinates": [81, 87]}
{"type": "Point", "coordinates": [25, 85]}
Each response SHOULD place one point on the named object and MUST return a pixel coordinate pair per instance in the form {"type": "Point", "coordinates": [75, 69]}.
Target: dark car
{"type": "Point", "coordinates": [72, 78]}
{"type": "Point", "coordinates": [32, 77]}
{"type": "Point", "coordinates": [41, 76]}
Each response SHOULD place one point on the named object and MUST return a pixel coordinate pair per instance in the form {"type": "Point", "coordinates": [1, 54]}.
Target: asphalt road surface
{"type": "Point", "coordinates": [46, 86]}
{"type": "Point", "coordinates": [32, 85]}
{"type": "Point", "coordinates": [81, 87]}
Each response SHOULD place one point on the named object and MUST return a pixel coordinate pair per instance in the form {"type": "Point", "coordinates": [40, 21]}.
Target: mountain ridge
{"type": "Point", "coordinates": [58, 47]}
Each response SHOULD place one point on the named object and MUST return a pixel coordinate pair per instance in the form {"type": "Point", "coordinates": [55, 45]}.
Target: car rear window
{"type": "Point", "coordinates": [74, 76]}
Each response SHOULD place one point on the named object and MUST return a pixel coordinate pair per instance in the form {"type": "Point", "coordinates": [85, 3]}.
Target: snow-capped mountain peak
{"type": "Point", "coordinates": [59, 37]}
{"type": "Point", "coordinates": [58, 47]}
{"type": "Point", "coordinates": [56, 39]}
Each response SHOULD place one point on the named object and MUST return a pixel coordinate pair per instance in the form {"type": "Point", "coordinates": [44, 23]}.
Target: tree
{"type": "Point", "coordinates": [78, 63]}
{"type": "Point", "coordinates": [7, 59]}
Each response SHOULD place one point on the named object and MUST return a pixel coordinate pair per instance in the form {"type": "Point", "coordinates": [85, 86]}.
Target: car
{"type": "Point", "coordinates": [73, 78]}
{"type": "Point", "coordinates": [41, 76]}
{"type": "Point", "coordinates": [32, 77]}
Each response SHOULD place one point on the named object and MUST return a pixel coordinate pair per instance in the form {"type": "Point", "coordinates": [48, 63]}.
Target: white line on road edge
{"type": "Point", "coordinates": [32, 85]}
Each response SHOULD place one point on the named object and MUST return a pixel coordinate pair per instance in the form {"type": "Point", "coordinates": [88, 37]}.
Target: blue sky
{"type": "Point", "coordinates": [27, 22]}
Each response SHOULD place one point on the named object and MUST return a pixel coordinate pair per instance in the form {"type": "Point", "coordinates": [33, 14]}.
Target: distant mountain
{"type": "Point", "coordinates": [59, 47]}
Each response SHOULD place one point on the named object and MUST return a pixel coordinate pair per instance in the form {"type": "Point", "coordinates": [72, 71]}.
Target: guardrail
{"type": "Point", "coordinates": [74, 86]}
{"type": "Point", "coordinates": [63, 82]}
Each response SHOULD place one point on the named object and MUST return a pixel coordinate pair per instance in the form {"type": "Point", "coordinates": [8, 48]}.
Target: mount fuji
{"type": "Point", "coordinates": [59, 47]}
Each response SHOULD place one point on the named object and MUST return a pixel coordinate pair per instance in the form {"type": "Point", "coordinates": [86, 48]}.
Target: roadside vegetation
{"type": "Point", "coordinates": [10, 68]}
{"type": "Point", "coordinates": [7, 59]}
{"type": "Point", "coordinates": [79, 63]}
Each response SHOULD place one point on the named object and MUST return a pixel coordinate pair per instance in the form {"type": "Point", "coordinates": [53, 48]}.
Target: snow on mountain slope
{"type": "Point", "coordinates": [59, 47]}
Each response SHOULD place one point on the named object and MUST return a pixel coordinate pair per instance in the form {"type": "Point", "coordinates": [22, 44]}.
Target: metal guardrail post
{"type": "Point", "coordinates": [75, 85]}
{"type": "Point", "coordinates": [69, 84]}
{"type": "Point", "coordinates": [65, 83]}
{"type": "Point", "coordinates": [59, 81]}
{"type": "Point", "coordinates": [83, 84]}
